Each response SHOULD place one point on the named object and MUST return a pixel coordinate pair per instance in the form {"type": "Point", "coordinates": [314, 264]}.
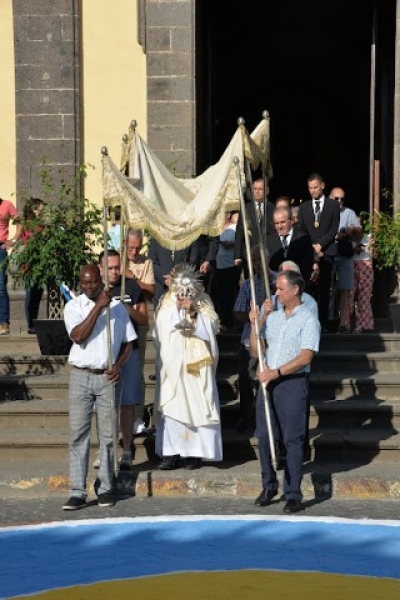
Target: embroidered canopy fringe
{"type": "Point", "coordinates": [176, 211]}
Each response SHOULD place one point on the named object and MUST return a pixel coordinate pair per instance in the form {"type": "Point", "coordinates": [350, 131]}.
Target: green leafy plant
{"type": "Point", "coordinates": [64, 235]}
{"type": "Point", "coordinates": [385, 234]}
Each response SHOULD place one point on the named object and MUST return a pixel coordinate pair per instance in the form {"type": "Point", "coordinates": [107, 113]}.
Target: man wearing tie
{"type": "Point", "coordinates": [319, 217]}
{"type": "Point", "coordinates": [255, 211]}
{"type": "Point", "coordinates": [289, 244]}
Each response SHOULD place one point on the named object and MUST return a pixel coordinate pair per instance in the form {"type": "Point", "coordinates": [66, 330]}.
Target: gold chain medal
{"type": "Point", "coordinates": [316, 224]}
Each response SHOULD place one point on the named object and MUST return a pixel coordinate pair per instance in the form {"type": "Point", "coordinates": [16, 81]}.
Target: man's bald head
{"type": "Point", "coordinates": [90, 281]}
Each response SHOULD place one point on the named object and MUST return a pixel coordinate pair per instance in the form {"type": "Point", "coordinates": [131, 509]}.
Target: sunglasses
{"type": "Point", "coordinates": [338, 198]}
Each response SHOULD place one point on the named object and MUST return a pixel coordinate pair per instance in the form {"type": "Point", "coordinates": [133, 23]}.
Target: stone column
{"type": "Point", "coordinates": [47, 90]}
{"type": "Point", "coordinates": [396, 145]}
{"type": "Point", "coordinates": [171, 76]}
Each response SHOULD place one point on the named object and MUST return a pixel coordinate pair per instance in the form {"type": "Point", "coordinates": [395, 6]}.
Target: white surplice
{"type": "Point", "coordinates": [186, 396]}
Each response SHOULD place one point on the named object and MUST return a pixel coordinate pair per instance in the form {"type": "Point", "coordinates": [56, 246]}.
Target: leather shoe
{"type": "Point", "coordinates": [192, 463]}
{"type": "Point", "coordinates": [292, 506]}
{"type": "Point", "coordinates": [169, 463]}
{"type": "Point", "coordinates": [264, 499]}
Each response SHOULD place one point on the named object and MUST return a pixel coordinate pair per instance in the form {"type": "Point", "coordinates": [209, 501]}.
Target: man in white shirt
{"type": "Point", "coordinates": [91, 381]}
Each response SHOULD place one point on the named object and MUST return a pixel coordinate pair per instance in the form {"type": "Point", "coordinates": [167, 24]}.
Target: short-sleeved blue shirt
{"type": "Point", "coordinates": [287, 336]}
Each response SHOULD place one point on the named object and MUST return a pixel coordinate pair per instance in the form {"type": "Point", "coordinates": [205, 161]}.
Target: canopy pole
{"type": "Point", "coordinates": [372, 115]}
{"type": "Point", "coordinates": [257, 325]}
{"type": "Point", "coordinates": [261, 237]}
{"type": "Point", "coordinates": [104, 151]}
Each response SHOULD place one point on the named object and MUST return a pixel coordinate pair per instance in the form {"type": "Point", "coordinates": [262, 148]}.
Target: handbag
{"type": "Point", "coordinates": [345, 246]}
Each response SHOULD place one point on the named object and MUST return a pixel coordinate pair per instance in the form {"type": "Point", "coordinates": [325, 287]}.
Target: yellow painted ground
{"type": "Point", "coordinates": [232, 585]}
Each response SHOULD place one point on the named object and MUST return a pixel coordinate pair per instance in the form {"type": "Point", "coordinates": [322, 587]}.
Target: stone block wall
{"type": "Point", "coordinates": [171, 78]}
{"type": "Point", "coordinates": [47, 82]}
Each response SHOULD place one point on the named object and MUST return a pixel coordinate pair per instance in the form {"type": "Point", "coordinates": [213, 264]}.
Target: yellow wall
{"type": "Point", "coordinates": [7, 103]}
{"type": "Point", "coordinates": [114, 82]}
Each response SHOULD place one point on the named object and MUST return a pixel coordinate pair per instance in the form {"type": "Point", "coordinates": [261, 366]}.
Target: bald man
{"type": "Point", "coordinates": [91, 381]}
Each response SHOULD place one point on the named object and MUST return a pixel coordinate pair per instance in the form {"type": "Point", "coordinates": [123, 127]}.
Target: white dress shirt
{"type": "Point", "coordinates": [93, 353]}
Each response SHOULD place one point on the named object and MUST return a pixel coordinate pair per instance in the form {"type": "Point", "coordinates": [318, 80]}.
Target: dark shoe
{"type": "Point", "coordinates": [292, 506]}
{"type": "Point", "coordinates": [192, 463]}
{"type": "Point", "coordinates": [74, 503]}
{"type": "Point", "coordinates": [31, 331]}
{"type": "Point", "coordinates": [242, 426]}
{"type": "Point", "coordinates": [245, 424]}
{"type": "Point", "coordinates": [264, 499]}
{"type": "Point", "coordinates": [105, 500]}
{"type": "Point", "coordinates": [169, 463]}
{"type": "Point", "coordinates": [343, 329]}
{"type": "Point", "coordinates": [125, 462]}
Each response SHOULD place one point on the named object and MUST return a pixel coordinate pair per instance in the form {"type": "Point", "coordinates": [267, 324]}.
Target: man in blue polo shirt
{"type": "Point", "coordinates": [291, 340]}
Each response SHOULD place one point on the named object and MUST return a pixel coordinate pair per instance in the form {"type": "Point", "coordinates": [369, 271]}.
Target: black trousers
{"type": "Point", "coordinates": [247, 385]}
{"type": "Point", "coordinates": [325, 278]}
{"type": "Point", "coordinates": [225, 286]}
{"type": "Point", "coordinates": [288, 399]}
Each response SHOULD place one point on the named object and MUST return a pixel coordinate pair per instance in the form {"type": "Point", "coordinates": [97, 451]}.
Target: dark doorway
{"type": "Point", "coordinates": [309, 64]}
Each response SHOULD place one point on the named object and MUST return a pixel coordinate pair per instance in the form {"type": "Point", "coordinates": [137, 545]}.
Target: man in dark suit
{"type": "Point", "coordinates": [255, 211]}
{"type": "Point", "coordinates": [163, 261]}
{"type": "Point", "coordinates": [287, 243]}
{"type": "Point", "coordinates": [202, 256]}
{"type": "Point", "coordinates": [319, 217]}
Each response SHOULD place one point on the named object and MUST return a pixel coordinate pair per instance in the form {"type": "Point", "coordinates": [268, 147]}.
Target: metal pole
{"type": "Point", "coordinates": [109, 344]}
{"type": "Point", "coordinates": [261, 237]}
{"type": "Point", "coordinates": [123, 253]}
{"type": "Point", "coordinates": [257, 326]}
{"type": "Point", "coordinates": [372, 116]}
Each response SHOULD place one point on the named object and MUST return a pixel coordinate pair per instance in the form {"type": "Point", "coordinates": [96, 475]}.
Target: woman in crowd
{"type": "Point", "coordinates": [227, 273]}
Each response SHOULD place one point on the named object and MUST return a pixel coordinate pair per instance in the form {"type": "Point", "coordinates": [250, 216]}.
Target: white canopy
{"type": "Point", "coordinates": [176, 211]}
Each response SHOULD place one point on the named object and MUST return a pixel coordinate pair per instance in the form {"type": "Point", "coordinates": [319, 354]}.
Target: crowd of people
{"type": "Point", "coordinates": [319, 272]}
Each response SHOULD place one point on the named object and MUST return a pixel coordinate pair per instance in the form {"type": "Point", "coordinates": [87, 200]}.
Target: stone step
{"type": "Point", "coordinates": [384, 361]}
{"type": "Point", "coordinates": [326, 362]}
{"type": "Point", "coordinates": [372, 413]}
{"type": "Point", "coordinates": [364, 342]}
{"type": "Point", "coordinates": [33, 365]}
{"type": "Point", "coordinates": [43, 476]}
{"type": "Point", "coordinates": [355, 444]}
{"type": "Point", "coordinates": [323, 386]}
{"type": "Point", "coordinates": [335, 445]}
{"type": "Point", "coordinates": [348, 385]}
{"type": "Point", "coordinates": [20, 342]}
{"type": "Point", "coordinates": [28, 387]}
{"type": "Point", "coordinates": [341, 413]}
{"type": "Point", "coordinates": [359, 412]}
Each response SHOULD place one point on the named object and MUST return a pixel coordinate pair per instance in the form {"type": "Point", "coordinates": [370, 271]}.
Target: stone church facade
{"type": "Point", "coordinates": [49, 95]}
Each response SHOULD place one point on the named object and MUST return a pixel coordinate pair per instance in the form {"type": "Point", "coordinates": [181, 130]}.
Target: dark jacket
{"type": "Point", "coordinates": [266, 226]}
{"type": "Point", "coordinates": [300, 251]}
{"type": "Point", "coordinates": [328, 225]}
{"type": "Point", "coordinates": [163, 261]}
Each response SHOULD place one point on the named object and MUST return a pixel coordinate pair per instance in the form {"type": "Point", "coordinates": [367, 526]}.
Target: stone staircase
{"type": "Point", "coordinates": [354, 423]}
{"type": "Point", "coordinates": [355, 413]}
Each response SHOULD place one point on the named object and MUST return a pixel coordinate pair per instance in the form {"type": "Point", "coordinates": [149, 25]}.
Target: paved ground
{"type": "Point", "coordinates": [31, 511]}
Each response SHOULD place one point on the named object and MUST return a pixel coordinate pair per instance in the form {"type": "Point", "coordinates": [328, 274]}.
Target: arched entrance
{"type": "Point", "coordinates": [309, 64]}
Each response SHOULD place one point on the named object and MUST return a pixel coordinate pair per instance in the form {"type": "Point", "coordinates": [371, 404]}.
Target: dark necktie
{"type": "Point", "coordinates": [259, 210]}
{"type": "Point", "coordinates": [317, 210]}
{"type": "Point", "coordinates": [285, 243]}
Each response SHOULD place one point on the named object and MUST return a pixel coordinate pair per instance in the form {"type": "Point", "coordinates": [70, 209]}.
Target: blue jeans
{"type": "Point", "coordinates": [86, 390]}
{"type": "Point", "coordinates": [4, 298]}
